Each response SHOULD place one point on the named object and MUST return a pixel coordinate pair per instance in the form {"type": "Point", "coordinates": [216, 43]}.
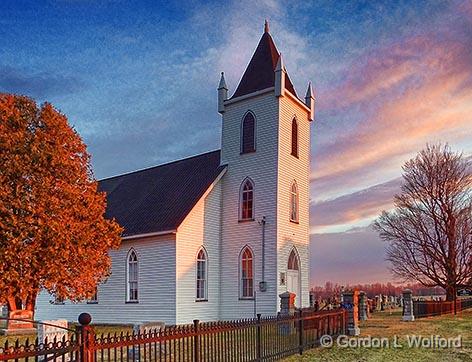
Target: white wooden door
{"type": "Point", "coordinates": [293, 277]}
{"type": "Point", "coordinates": [293, 285]}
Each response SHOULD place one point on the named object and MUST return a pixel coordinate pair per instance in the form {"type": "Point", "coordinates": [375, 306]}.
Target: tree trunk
{"type": "Point", "coordinates": [14, 303]}
{"type": "Point", "coordinates": [450, 292]}
{"type": "Point", "coordinates": [31, 302]}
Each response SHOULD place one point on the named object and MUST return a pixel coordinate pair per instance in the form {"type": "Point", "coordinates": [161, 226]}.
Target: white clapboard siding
{"type": "Point", "coordinates": [157, 288]}
{"type": "Point", "coordinates": [261, 167]}
{"type": "Point", "coordinates": [290, 234]}
{"type": "Point", "coordinates": [201, 228]}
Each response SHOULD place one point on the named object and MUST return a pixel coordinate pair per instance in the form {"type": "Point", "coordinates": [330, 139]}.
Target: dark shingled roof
{"type": "Point", "coordinates": [260, 73]}
{"type": "Point", "coordinates": [159, 198]}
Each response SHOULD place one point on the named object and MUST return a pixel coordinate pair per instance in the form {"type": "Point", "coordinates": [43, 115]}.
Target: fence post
{"type": "Point", "coordinates": [258, 338]}
{"type": "Point", "coordinates": [300, 332]}
{"type": "Point", "coordinates": [86, 337]}
{"type": "Point", "coordinates": [196, 341]}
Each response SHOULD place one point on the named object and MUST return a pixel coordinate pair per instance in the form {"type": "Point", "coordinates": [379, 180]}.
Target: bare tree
{"type": "Point", "coordinates": [429, 231]}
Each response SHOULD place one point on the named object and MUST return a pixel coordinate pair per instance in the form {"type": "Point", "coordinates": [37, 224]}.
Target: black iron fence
{"type": "Point", "coordinates": [257, 339]}
{"type": "Point", "coordinates": [429, 308]}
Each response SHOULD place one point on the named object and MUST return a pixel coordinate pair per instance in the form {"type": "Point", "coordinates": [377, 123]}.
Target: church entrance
{"type": "Point", "coordinates": [293, 277]}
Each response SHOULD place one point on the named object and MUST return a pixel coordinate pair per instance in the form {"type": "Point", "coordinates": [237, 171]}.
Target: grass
{"type": "Point", "coordinates": [382, 325]}
{"type": "Point", "coordinates": [389, 325]}
{"type": "Point", "coordinates": [99, 330]}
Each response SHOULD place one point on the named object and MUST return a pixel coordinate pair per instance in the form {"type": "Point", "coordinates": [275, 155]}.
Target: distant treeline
{"type": "Point", "coordinates": [331, 289]}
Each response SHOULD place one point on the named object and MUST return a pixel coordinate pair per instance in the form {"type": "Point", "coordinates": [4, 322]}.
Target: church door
{"type": "Point", "coordinates": [293, 277]}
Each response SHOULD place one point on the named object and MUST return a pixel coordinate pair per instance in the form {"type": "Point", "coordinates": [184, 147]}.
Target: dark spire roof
{"type": "Point", "coordinates": [159, 198]}
{"type": "Point", "coordinates": [260, 73]}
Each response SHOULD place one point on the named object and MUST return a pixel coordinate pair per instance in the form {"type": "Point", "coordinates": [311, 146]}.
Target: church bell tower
{"type": "Point", "coordinates": [265, 205]}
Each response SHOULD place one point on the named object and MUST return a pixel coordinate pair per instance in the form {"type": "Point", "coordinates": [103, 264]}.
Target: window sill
{"type": "Point", "coordinates": [201, 300]}
{"type": "Point", "coordinates": [246, 220]}
{"type": "Point", "coordinates": [247, 152]}
{"type": "Point", "coordinates": [296, 156]}
{"type": "Point", "coordinates": [294, 221]}
{"type": "Point", "coordinates": [246, 298]}
{"type": "Point", "coordinates": [132, 302]}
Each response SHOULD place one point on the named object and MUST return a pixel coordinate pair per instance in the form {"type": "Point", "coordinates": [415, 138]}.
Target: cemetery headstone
{"type": "Point", "coordinates": [350, 303]}
{"type": "Point", "coordinates": [362, 306]}
{"type": "Point", "coordinates": [408, 306]}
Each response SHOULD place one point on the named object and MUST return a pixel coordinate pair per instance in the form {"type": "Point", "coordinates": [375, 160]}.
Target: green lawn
{"type": "Point", "coordinates": [386, 324]}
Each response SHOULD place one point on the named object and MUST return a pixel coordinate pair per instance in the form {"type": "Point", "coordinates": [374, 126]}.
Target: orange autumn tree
{"type": "Point", "coordinates": [53, 233]}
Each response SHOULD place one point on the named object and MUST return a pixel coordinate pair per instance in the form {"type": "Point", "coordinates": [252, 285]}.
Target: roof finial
{"type": "Point", "coordinates": [266, 26]}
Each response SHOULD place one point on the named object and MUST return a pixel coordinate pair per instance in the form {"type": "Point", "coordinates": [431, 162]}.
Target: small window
{"type": "Point", "coordinates": [58, 300]}
{"type": "Point", "coordinates": [247, 273]}
{"type": "Point", "coordinates": [94, 298]}
{"type": "Point", "coordinates": [202, 272]}
{"type": "Point", "coordinates": [294, 202]}
{"type": "Point", "coordinates": [248, 134]}
{"type": "Point", "coordinates": [247, 200]}
{"type": "Point", "coordinates": [294, 138]}
{"type": "Point", "coordinates": [132, 290]}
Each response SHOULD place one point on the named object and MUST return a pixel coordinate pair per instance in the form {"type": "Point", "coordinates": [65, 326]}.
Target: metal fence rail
{"type": "Point", "coordinates": [429, 308]}
{"type": "Point", "coordinates": [257, 339]}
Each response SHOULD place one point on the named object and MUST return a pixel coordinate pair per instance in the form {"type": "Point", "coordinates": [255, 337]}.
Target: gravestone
{"type": "Point", "coordinates": [51, 330]}
{"type": "Point", "coordinates": [350, 303]}
{"type": "Point", "coordinates": [408, 306]}
{"type": "Point", "coordinates": [362, 306]}
{"type": "Point", "coordinates": [19, 322]}
{"type": "Point", "coordinates": [144, 328]}
{"type": "Point", "coordinates": [377, 303]}
{"type": "Point", "coordinates": [287, 308]}
{"type": "Point", "coordinates": [3, 314]}
{"type": "Point", "coordinates": [287, 303]}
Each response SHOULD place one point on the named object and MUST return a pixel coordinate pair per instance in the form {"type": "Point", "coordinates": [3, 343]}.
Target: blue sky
{"type": "Point", "coordinates": [138, 79]}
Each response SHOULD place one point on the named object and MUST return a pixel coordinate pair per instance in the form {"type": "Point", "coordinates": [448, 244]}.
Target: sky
{"type": "Point", "coordinates": [137, 80]}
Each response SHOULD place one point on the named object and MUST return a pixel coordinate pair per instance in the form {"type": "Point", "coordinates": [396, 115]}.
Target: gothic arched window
{"type": "Point", "coordinates": [132, 277]}
{"type": "Point", "coordinates": [202, 274]}
{"type": "Point", "coordinates": [294, 138]}
{"type": "Point", "coordinates": [247, 274]}
{"type": "Point", "coordinates": [246, 200]}
{"type": "Point", "coordinates": [293, 261]}
{"type": "Point", "coordinates": [294, 202]}
{"type": "Point", "coordinates": [248, 133]}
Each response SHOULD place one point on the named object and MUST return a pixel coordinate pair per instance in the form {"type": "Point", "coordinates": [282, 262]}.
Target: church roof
{"type": "Point", "coordinates": [260, 72]}
{"type": "Point", "coordinates": [159, 198]}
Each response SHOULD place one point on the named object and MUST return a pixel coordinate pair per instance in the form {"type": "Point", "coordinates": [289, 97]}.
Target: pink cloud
{"type": "Point", "coordinates": [411, 93]}
{"type": "Point", "coordinates": [356, 256]}
{"type": "Point", "coordinates": [359, 205]}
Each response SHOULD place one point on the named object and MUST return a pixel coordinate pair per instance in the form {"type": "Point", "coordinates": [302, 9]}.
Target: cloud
{"type": "Point", "coordinates": [353, 256]}
{"type": "Point", "coordinates": [349, 209]}
{"type": "Point", "coordinates": [37, 85]}
{"type": "Point", "coordinates": [415, 91]}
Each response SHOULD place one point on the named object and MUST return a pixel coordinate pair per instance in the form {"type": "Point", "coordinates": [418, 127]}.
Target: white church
{"type": "Point", "coordinates": [219, 235]}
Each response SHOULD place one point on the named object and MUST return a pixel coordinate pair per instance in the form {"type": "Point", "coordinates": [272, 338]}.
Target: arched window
{"type": "Point", "coordinates": [294, 138]}
{"type": "Point", "coordinates": [132, 276]}
{"type": "Point", "coordinates": [293, 261]}
{"type": "Point", "coordinates": [248, 133]}
{"type": "Point", "coordinates": [247, 274]}
{"type": "Point", "coordinates": [294, 202]}
{"type": "Point", "coordinates": [246, 202]}
{"type": "Point", "coordinates": [202, 271]}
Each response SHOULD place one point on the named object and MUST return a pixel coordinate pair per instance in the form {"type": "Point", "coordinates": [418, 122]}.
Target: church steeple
{"type": "Point", "coordinates": [260, 72]}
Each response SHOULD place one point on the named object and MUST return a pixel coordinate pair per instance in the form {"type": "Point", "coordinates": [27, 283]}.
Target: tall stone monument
{"type": "Point", "coordinates": [408, 306]}
{"type": "Point", "coordinates": [362, 306]}
{"type": "Point", "coordinates": [350, 303]}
